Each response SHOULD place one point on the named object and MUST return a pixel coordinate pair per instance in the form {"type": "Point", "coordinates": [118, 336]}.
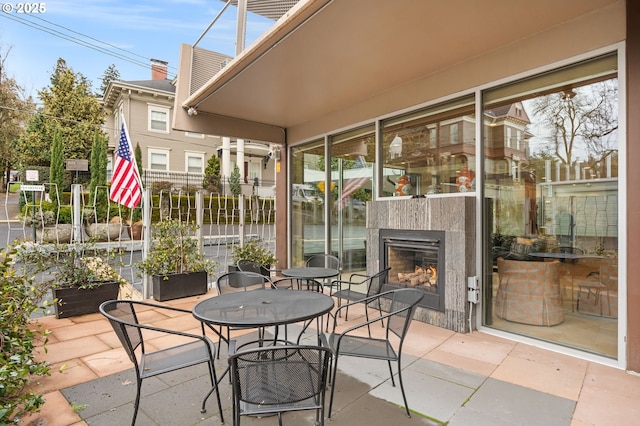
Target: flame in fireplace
{"type": "Point", "coordinates": [433, 271]}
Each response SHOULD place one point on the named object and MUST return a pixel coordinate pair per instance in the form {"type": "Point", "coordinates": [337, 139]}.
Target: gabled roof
{"type": "Point", "coordinates": [159, 87]}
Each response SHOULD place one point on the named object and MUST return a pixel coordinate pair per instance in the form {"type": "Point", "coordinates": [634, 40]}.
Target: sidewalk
{"type": "Point", "coordinates": [462, 379]}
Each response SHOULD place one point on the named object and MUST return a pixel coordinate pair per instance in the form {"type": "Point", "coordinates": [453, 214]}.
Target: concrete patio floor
{"type": "Point", "coordinates": [450, 378]}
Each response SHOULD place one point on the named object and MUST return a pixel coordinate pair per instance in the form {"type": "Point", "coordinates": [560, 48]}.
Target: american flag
{"type": "Point", "coordinates": [362, 174]}
{"type": "Point", "coordinates": [126, 186]}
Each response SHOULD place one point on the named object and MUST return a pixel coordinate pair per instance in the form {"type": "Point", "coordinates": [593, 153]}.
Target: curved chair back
{"type": "Point", "coordinates": [247, 265]}
{"type": "Point", "coordinates": [122, 316]}
{"type": "Point", "coordinates": [276, 379]}
{"type": "Point", "coordinates": [324, 261]}
{"type": "Point", "coordinates": [242, 281]}
{"type": "Point", "coordinates": [403, 303]}
{"type": "Point", "coordinates": [376, 282]}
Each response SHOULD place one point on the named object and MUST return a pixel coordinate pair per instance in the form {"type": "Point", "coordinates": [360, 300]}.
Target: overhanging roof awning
{"type": "Point", "coordinates": [326, 55]}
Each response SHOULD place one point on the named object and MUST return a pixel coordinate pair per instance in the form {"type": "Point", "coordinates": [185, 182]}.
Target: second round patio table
{"type": "Point", "coordinates": [311, 272]}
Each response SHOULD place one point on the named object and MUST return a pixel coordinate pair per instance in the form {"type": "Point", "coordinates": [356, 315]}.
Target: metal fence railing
{"type": "Point", "coordinates": [221, 227]}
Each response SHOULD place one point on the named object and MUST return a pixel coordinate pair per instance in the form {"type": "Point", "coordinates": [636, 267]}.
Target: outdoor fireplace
{"type": "Point", "coordinates": [416, 259]}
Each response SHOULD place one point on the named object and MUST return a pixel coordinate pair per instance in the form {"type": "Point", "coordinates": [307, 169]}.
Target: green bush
{"type": "Point", "coordinates": [18, 298]}
{"type": "Point", "coordinates": [162, 185]}
{"type": "Point", "coordinates": [256, 251]}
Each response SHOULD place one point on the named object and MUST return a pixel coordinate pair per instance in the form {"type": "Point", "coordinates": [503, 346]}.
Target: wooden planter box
{"type": "Point", "coordinates": [80, 301]}
{"type": "Point", "coordinates": [177, 286]}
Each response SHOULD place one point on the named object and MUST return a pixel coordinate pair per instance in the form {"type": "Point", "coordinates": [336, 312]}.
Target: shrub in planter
{"type": "Point", "coordinates": [79, 276]}
{"type": "Point", "coordinates": [175, 251]}
{"type": "Point", "coordinates": [256, 251]}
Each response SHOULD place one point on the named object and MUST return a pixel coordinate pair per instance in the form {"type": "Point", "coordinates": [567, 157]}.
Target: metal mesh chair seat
{"type": "Point", "coordinates": [278, 379]}
{"type": "Point", "coordinates": [170, 359]}
{"type": "Point", "coordinates": [196, 349]}
{"type": "Point", "coordinates": [364, 347]}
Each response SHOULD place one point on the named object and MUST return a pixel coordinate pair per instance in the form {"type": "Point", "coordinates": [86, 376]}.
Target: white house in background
{"type": "Point", "coordinates": [171, 155]}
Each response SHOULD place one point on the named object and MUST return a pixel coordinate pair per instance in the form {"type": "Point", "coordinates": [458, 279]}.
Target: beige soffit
{"type": "Point", "coordinates": [325, 55]}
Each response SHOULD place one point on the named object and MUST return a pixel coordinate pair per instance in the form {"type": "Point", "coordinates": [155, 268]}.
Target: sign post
{"type": "Point", "coordinates": [77, 165]}
{"type": "Point", "coordinates": [32, 176]}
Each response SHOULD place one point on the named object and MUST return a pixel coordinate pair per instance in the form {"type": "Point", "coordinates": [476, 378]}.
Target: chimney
{"type": "Point", "coordinates": [158, 69]}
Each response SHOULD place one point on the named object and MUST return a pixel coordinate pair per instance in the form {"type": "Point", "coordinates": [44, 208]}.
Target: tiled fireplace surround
{"type": "Point", "coordinates": [455, 215]}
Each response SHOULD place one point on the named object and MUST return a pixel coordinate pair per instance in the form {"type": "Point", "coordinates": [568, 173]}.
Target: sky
{"type": "Point", "coordinates": [90, 35]}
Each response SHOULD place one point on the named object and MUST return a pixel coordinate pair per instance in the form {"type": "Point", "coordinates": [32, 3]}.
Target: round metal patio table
{"type": "Point", "coordinates": [311, 272]}
{"type": "Point", "coordinates": [262, 308]}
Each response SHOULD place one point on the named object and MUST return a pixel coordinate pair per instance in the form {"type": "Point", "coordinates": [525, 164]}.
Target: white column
{"type": "Point", "coordinates": [240, 158]}
{"type": "Point", "coordinates": [225, 167]}
{"type": "Point", "coordinates": [547, 171]}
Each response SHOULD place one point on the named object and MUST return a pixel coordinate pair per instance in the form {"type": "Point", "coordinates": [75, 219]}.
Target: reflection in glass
{"type": "Point", "coordinates": [307, 201]}
{"type": "Point", "coordinates": [551, 200]}
{"type": "Point", "coordinates": [352, 160]}
{"type": "Point", "coordinates": [430, 151]}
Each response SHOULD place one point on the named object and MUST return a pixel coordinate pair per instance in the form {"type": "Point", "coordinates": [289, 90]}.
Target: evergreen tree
{"type": "Point", "coordinates": [98, 196]}
{"type": "Point", "coordinates": [56, 168]}
{"type": "Point", "coordinates": [110, 74]}
{"type": "Point", "coordinates": [234, 181]}
{"type": "Point", "coordinates": [211, 181]}
{"type": "Point", "coordinates": [70, 108]}
{"type": "Point", "coordinates": [137, 153]}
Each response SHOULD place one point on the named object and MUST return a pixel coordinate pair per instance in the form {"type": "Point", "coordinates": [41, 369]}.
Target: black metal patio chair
{"type": "Point", "coordinates": [350, 342]}
{"type": "Point", "coordinates": [302, 284]}
{"type": "Point", "coordinates": [279, 379]}
{"type": "Point", "coordinates": [123, 316]}
{"type": "Point", "coordinates": [358, 288]}
{"type": "Point", "coordinates": [247, 265]}
{"type": "Point", "coordinates": [325, 261]}
{"type": "Point", "coordinates": [241, 281]}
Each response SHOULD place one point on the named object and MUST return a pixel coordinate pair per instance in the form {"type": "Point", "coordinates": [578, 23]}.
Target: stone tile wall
{"type": "Point", "coordinates": [456, 215]}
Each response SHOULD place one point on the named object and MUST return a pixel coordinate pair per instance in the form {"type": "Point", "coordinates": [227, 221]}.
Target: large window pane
{"type": "Point", "coordinates": [307, 201]}
{"type": "Point", "coordinates": [551, 202]}
{"type": "Point", "coordinates": [352, 160]}
{"type": "Point", "coordinates": [430, 151]}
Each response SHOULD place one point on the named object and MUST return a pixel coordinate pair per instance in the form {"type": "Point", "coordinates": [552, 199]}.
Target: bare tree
{"type": "Point", "coordinates": [579, 118]}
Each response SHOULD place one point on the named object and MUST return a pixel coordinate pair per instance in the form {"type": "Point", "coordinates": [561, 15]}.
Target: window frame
{"type": "Point", "coordinates": [152, 151]}
{"type": "Point", "coordinates": [161, 109]}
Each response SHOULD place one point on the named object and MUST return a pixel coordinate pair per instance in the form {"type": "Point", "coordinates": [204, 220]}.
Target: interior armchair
{"type": "Point", "coordinates": [529, 292]}
{"type": "Point", "coordinates": [598, 288]}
